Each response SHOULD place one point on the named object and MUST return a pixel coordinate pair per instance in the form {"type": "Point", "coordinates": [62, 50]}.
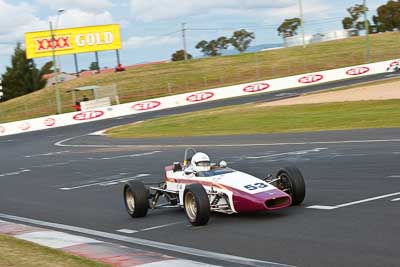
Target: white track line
{"type": "Point", "coordinates": [160, 226]}
{"type": "Point", "coordinates": [367, 200]}
{"type": "Point", "coordinates": [127, 231]}
{"type": "Point", "coordinates": [300, 152]}
{"type": "Point", "coordinates": [48, 154]}
{"type": "Point", "coordinates": [106, 183]}
{"type": "Point", "coordinates": [149, 243]}
{"type": "Point", "coordinates": [396, 199]}
{"type": "Point", "coordinates": [61, 144]}
{"type": "Point", "coordinates": [14, 173]}
{"type": "Point", "coordinates": [133, 155]}
{"type": "Point", "coordinates": [319, 207]}
{"type": "Point", "coordinates": [101, 133]}
{"type": "Point", "coordinates": [54, 164]}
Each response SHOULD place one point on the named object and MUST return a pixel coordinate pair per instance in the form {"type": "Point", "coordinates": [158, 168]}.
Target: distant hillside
{"type": "Point", "coordinates": [251, 49]}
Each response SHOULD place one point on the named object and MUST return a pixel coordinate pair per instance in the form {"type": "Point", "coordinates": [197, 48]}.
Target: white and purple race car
{"type": "Point", "coordinates": [201, 187]}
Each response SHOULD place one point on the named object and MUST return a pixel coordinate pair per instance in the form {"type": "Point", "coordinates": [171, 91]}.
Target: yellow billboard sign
{"type": "Point", "coordinates": [73, 41]}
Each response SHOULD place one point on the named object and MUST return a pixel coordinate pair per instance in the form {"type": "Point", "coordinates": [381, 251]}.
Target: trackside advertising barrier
{"type": "Point", "coordinates": [195, 97]}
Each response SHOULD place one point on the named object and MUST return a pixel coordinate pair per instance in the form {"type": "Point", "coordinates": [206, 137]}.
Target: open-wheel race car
{"type": "Point", "coordinates": [201, 187]}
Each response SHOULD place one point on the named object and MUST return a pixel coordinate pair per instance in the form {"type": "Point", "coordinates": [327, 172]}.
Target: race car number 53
{"type": "Point", "coordinates": [255, 186]}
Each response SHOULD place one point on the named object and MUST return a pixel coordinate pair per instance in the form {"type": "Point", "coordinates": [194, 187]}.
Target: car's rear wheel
{"type": "Point", "coordinates": [291, 181]}
{"type": "Point", "coordinates": [136, 199]}
{"type": "Point", "coordinates": [196, 204]}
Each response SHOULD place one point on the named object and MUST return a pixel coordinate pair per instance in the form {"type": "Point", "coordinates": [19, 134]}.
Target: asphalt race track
{"type": "Point", "coordinates": [350, 216]}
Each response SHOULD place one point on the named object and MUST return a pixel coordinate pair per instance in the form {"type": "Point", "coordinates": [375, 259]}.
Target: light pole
{"type": "Point", "coordinates": [59, 12]}
{"type": "Point", "coordinates": [366, 26]}
{"type": "Point", "coordinates": [58, 95]}
{"type": "Point", "coordinates": [302, 22]}
{"type": "Point", "coordinates": [184, 41]}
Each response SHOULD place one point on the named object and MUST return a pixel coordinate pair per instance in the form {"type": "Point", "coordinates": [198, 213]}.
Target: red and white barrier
{"type": "Point", "coordinates": [196, 97]}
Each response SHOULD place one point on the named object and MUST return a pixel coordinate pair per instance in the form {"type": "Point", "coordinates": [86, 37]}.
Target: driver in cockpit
{"type": "Point", "coordinates": [200, 163]}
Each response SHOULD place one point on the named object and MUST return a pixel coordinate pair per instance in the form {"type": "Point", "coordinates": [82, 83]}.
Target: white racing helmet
{"type": "Point", "coordinates": [201, 162]}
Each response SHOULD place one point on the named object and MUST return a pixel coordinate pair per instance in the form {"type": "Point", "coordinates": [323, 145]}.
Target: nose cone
{"type": "Point", "coordinates": [268, 200]}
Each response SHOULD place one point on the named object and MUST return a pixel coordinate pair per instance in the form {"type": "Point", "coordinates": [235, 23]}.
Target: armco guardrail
{"type": "Point", "coordinates": [195, 97]}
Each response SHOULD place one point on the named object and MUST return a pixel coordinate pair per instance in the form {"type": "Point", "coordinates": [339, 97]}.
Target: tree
{"type": "Point", "coordinates": [93, 66]}
{"type": "Point", "coordinates": [347, 23]}
{"type": "Point", "coordinates": [223, 43]}
{"type": "Point", "coordinates": [23, 77]}
{"type": "Point", "coordinates": [388, 16]}
{"type": "Point", "coordinates": [209, 48]}
{"type": "Point", "coordinates": [241, 40]}
{"type": "Point", "coordinates": [180, 55]}
{"type": "Point", "coordinates": [46, 69]}
{"type": "Point", "coordinates": [289, 27]}
{"type": "Point", "coordinates": [354, 21]}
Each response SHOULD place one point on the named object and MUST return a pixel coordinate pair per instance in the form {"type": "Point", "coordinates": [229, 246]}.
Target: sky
{"type": "Point", "coordinates": [150, 29]}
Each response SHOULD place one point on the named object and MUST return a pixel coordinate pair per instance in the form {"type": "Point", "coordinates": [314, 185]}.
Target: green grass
{"type": "Point", "coordinates": [177, 77]}
{"type": "Point", "coordinates": [248, 119]}
{"type": "Point", "coordinates": [19, 253]}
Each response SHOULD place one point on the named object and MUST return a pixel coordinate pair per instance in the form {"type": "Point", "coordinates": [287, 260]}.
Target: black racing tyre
{"type": "Point", "coordinates": [136, 199]}
{"type": "Point", "coordinates": [196, 204]}
{"type": "Point", "coordinates": [292, 181]}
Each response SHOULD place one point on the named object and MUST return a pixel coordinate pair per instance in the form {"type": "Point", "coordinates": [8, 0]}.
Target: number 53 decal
{"type": "Point", "coordinates": [255, 186]}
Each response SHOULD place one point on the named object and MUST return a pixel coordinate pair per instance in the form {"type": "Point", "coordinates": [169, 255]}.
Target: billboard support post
{"type": "Point", "coordinates": [97, 61]}
{"type": "Point", "coordinates": [55, 71]}
{"type": "Point", "coordinates": [118, 60]}
{"type": "Point", "coordinates": [76, 65]}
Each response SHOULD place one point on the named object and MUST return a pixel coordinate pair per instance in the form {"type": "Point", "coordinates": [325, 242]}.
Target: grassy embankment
{"type": "Point", "coordinates": [250, 119]}
{"type": "Point", "coordinates": [19, 253]}
{"type": "Point", "coordinates": [177, 77]}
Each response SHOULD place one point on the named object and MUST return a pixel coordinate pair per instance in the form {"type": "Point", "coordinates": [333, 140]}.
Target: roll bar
{"type": "Point", "coordinates": [187, 159]}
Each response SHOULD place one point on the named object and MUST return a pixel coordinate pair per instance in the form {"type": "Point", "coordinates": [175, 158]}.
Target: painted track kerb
{"type": "Point", "coordinates": [112, 254]}
{"type": "Point", "coordinates": [149, 243]}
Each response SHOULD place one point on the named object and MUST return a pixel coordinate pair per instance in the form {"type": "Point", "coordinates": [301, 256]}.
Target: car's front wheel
{"type": "Point", "coordinates": [136, 199]}
{"type": "Point", "coordinates": [196, 204]}
{"type": "Point", "coordinates": [291, 181]}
